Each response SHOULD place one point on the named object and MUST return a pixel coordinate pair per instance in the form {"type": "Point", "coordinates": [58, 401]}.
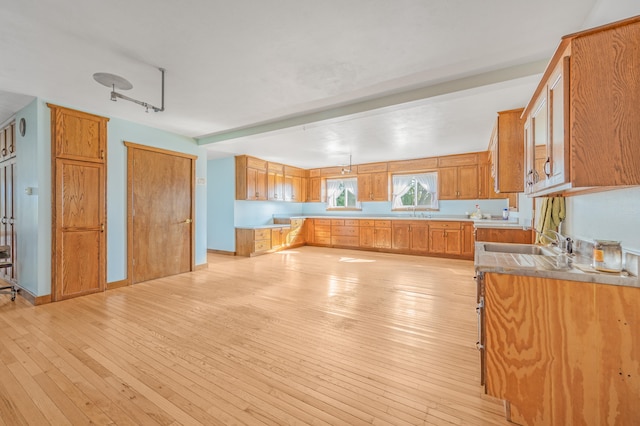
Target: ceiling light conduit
{"type": "Point", "coordinates": [116, 82]}
{"type": "Point", "coordinates": [344, 169]}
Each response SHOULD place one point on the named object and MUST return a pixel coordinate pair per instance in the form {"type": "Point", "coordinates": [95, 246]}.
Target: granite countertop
{"type": "Point", "coordinates": [549, 266]}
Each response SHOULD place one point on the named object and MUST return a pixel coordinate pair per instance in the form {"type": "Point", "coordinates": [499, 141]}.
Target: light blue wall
{"type": "Point", "coordinates": [221, 196]}
{"type": "Point", "coordinates": [610, 215]}
{"type": "Point", "coordinates": [447, 208]}
{"type": "Point", "coordinates": [249, 213]}
{"type": "Point", "coordinates": [33, 224]}
{"type": "Point", "coordinates": [34, 170]}
{"type": "Point", "coordinates": [118, 132]}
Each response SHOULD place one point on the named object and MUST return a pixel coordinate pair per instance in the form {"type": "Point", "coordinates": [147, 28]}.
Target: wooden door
{"type": "Point", "coordinates": [437, 240]}
{"type": "Point", "coordinates": [453, 241]}
{"type": "Point", "coordinates": [467, 240]}
{"type": "Point", "coordinates": [315, 190]}
{"type": "Point", "coordinates": [276, 238]}
{"type": "Point", "coordinates": [80, 242]}
{"type": "Point", "coordinates": [161, 208]}
{"type": "Point", "coordinates": [383, 237]}
{"type": "Point", "coordinates": [367, 236]}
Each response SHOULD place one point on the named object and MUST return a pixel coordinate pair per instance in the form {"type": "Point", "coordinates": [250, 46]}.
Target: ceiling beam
{"type": "Point", "coordinates": [386, 101]}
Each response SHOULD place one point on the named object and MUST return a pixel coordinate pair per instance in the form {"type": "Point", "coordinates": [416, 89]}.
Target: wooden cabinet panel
{"type": "Point", "coordinates": [508, 152]}
{"type": "Point", "coordinates": [367, 237]}
{"type": "Point", "coordinates": [250, 242]}
{"type": "Point", "coordinates": [78, 135]}
{"type": "Point", "coordinates": [345, 241]}
{"type": "Point", "coordinates": [309, 224]}
{"type": "Point", "coordinates": [382, 234]}
{"type": "Point", "coordinates": [8, 213]}
{"type": "Point", "coordinates": [468, 182]}
{"type": "Point", "coordinates": [419, 239]}
{"type": "Point", "coordinates": [7, 141]}
{"type": "Point", "coordinates": [345, 231]}
{"type": "Point", "coordinates": [251, 178]}
{"type": "Point", "coordinates": [468, 240]}
{"type": "Point", "coordinates": [498, 235]}
{"type": "Point", "coordinates": [275, 186]}
{"type": "Point", "coordinates": [569, 353]}
{"type": "Point", "coordinates": [373, 186]}
{"type": "Point", "coordinates": [448, 183]}
{"type": "Point", "coordinates": [401, 236]}
{"type": "Point", "coordinates": [314, 194]}
{"type": "Point", "coordinates": [445, 238]}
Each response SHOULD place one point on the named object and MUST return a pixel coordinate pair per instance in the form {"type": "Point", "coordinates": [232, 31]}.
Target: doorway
{"type": "Point", "coordinates": [160, 212]}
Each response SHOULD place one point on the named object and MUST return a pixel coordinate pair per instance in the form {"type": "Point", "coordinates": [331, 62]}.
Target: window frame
{"type": "Point", "coordinates": [331, 205]}
{"type": "Point", "coordinates": [433, 206]}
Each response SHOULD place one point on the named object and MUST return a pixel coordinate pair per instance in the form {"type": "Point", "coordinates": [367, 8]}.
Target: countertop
{"type": "Point", "coordinates": [554, 267]}
{"type": "Point", "coordinates": [478, 223]}
{"type": "Point", "coordinates": [263, 226]}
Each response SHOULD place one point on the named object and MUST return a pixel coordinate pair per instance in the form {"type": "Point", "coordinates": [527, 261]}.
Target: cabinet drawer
{"type": "Point", "coordinates": [349, 231]}
{"type": "Point", "coordinates": [262, 245]}
{"type": "Point", "coordinates": [337, 222]}
{"type": "Point", "coordinates": [262, 234]}
{"type": "Point", "coordinates": [324, 228]}
{"type": "Point", "coordinates": [351, 222]}
{"type": "Point", "coordinates": [444, 225]}
{"type": "Point", "coordinates": [345, 241]}
{"type": "Point", "coordinates": [323, 240]}
{"type": "Point", "coordinates": [383, 223]}
{"type": "Point", "coordinates": [296, 223]}
{"type": "Point", "coordinates": [366, 222]}
{"type": "Point", "coordinates": [322, 222]}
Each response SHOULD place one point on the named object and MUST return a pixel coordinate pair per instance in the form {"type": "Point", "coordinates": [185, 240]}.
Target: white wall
{"type": "Point", "coordinates": [610, 215]}
{"type": "Point", "coordinates": [606, 11]}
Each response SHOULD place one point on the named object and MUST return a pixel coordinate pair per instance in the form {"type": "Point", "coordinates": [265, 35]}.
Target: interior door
{"type": "Point", "coordinates": [161, 213]}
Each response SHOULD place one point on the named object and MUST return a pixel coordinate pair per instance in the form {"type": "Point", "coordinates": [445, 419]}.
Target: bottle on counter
{"type": "Point", "coordinates": [505, 214]}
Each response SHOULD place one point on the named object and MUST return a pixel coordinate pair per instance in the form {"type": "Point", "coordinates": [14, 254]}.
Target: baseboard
{"type": "Point", "coordinates": [201, 267]}
{"type": "Point", "coordinates": [32, 298]}
{"type": "Point", "coordinates": [117, 284]}
{"type": "Point", "coordinates": [227, 253]}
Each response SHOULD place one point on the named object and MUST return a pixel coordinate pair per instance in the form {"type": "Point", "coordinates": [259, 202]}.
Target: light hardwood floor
{"type": "Point", "coordinates": [305, 336]}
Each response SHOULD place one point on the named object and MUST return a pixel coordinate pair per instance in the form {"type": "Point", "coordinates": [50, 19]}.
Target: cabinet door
{"type": "Point", "coordinates": [467, 240]}
{"type": "Point", "coordinates": [401, 237]}
{"type": "Point", "coordinates": [559, 126]}
{"type": "Point", "coordinates": [314, 189]}
{"type": "Point", "coordinates": [275, 187]}
{"type": "Point", "coordinates": [379, 186]}
{"type": "Point", "coordinates": [419, 236]}
{"type": "Point", "coordinates": [468, 182]}
{"type": "Point", "coordinates": [448, 182]}
{"type": "Point", "coordinates": [540, 137]}
{"type": "Point", "coordinates": [79, 136]}
{"type": "Point", "coordinates": [256, 184]}
{"type": "Point", "coordinates": [296, 189]}
{"type": "Point", "coordinates": [310, 230]}
{"type": "Point", "coordinates": [383, 237]}
{"type": "Point", "coordinates": [276, 238]}
{"type": "Point", "coordinates": [288, 188]}
{"type": "Point", "coordinates": [367, 237]}
{"type": "Point", "coordinates": [365, 187]}
{"type": "Point", "coordinates": [437, 242]}
{"type": "Point", "coordinates": [453, 241]}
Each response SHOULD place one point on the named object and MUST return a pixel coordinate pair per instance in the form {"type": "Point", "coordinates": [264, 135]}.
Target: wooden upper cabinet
{"type": "Point", "coordinates": [373, 182]}
{"type": "Point", "coordinates": [459, 183]}
{"type": "Point", "coordinates": [251, 178]}
{"type": "Point", "coordinates": [275, 182]}
{"type": "Point", "coordinates": [507, 151]}
{"type": "Point", "coordinates": [7, 141]}
{"type": "Point", "coordinates": [585, 113]}
{"type": "Point", "coordinates": [78, 135]}
{"type": "Point", "coordinates": [315, 189]}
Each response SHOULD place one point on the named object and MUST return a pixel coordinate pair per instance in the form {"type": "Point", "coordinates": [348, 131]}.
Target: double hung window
{"type": "Point", "coordinates": [342, 193]}
{"type": "Point", "coordinates": [415, 191]}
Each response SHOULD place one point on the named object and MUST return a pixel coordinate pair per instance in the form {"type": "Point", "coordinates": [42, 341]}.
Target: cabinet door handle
{"type": "Point", "coordinates": [4, 151]}
{"type": "Point", "coordinates": [479, 309]}
{"type": "Point", "coordinates": [547, 166]}
{"type": "Point", "coordinates": [3, 220]}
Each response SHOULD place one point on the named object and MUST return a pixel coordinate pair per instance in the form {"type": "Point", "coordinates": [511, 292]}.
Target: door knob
{"type": "Point", "coordinates": [188, 221]}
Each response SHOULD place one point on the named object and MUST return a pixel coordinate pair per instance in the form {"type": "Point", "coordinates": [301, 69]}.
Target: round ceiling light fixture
{"type": "Point", "coordinates": [112, 81]}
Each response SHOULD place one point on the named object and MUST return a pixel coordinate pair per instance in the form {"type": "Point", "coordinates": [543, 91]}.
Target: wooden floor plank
{"type": "Point", "coordinates": [307, 336]}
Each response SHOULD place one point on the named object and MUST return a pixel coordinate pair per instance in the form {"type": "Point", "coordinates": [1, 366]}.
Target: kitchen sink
{"type": "Point", "coordinates": [520, 249]}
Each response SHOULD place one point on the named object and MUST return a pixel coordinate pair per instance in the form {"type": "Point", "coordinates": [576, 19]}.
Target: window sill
{"type": "Point", "coordinates": [411, 209]}
{"type": "Point", "coordinates": [340, 209]}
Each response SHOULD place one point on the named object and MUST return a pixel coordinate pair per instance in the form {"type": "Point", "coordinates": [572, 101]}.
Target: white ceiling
{"type": "Point", "coordinates": [396, 79]}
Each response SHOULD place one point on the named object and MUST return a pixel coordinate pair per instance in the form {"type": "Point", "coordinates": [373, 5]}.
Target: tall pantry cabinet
{"type": "Point", "coordinates": [7, 199]}
{"type": "Point", "coordinates": [79, 202]}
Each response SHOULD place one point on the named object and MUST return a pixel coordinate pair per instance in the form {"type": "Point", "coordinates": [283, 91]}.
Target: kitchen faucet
{"type": "Point", "coordinates": [560, 241]}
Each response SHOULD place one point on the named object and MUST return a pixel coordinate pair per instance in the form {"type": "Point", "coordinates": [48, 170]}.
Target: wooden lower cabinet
{"type": "Point", "coordinates": [367, 234]}
{"type": "Point", "coordinates": [322, 232]}
{"type": "Point", "coordinates": [410, 237]}
{"type": "Point", "coordinates": [251, 242]}
{"type": "Point", "coordinates": [382, 234]}
{"type": "Point", "coordinates": [297, 233]}
{"type": "Point", "coordinates": [345, 233]}
{"type": "Point", "coordinates": [445, 238]}
{"type": "Point", "coordinates": [561, 352]}
{"type": "Point", "coordinates": [501, 235]}
{"type": "Point", "coordinates": [468, 241]}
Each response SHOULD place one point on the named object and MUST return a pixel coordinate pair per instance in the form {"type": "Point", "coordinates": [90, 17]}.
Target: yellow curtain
{"type": "Point", "coordinates": [552, 212]}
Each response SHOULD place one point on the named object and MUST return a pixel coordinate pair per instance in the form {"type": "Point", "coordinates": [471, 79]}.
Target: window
{"type": "Point", "coordinates": [415, 191]}
{"type": "Point", "coordinates": [342, 193]}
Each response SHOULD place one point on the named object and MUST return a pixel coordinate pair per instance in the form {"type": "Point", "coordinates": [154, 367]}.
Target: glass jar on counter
{"type": "Point", "coordinates": [607, 256]}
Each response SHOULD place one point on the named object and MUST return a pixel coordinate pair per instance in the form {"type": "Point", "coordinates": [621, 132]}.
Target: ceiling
{"type": "Point", "coordinates": [301, 82]}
